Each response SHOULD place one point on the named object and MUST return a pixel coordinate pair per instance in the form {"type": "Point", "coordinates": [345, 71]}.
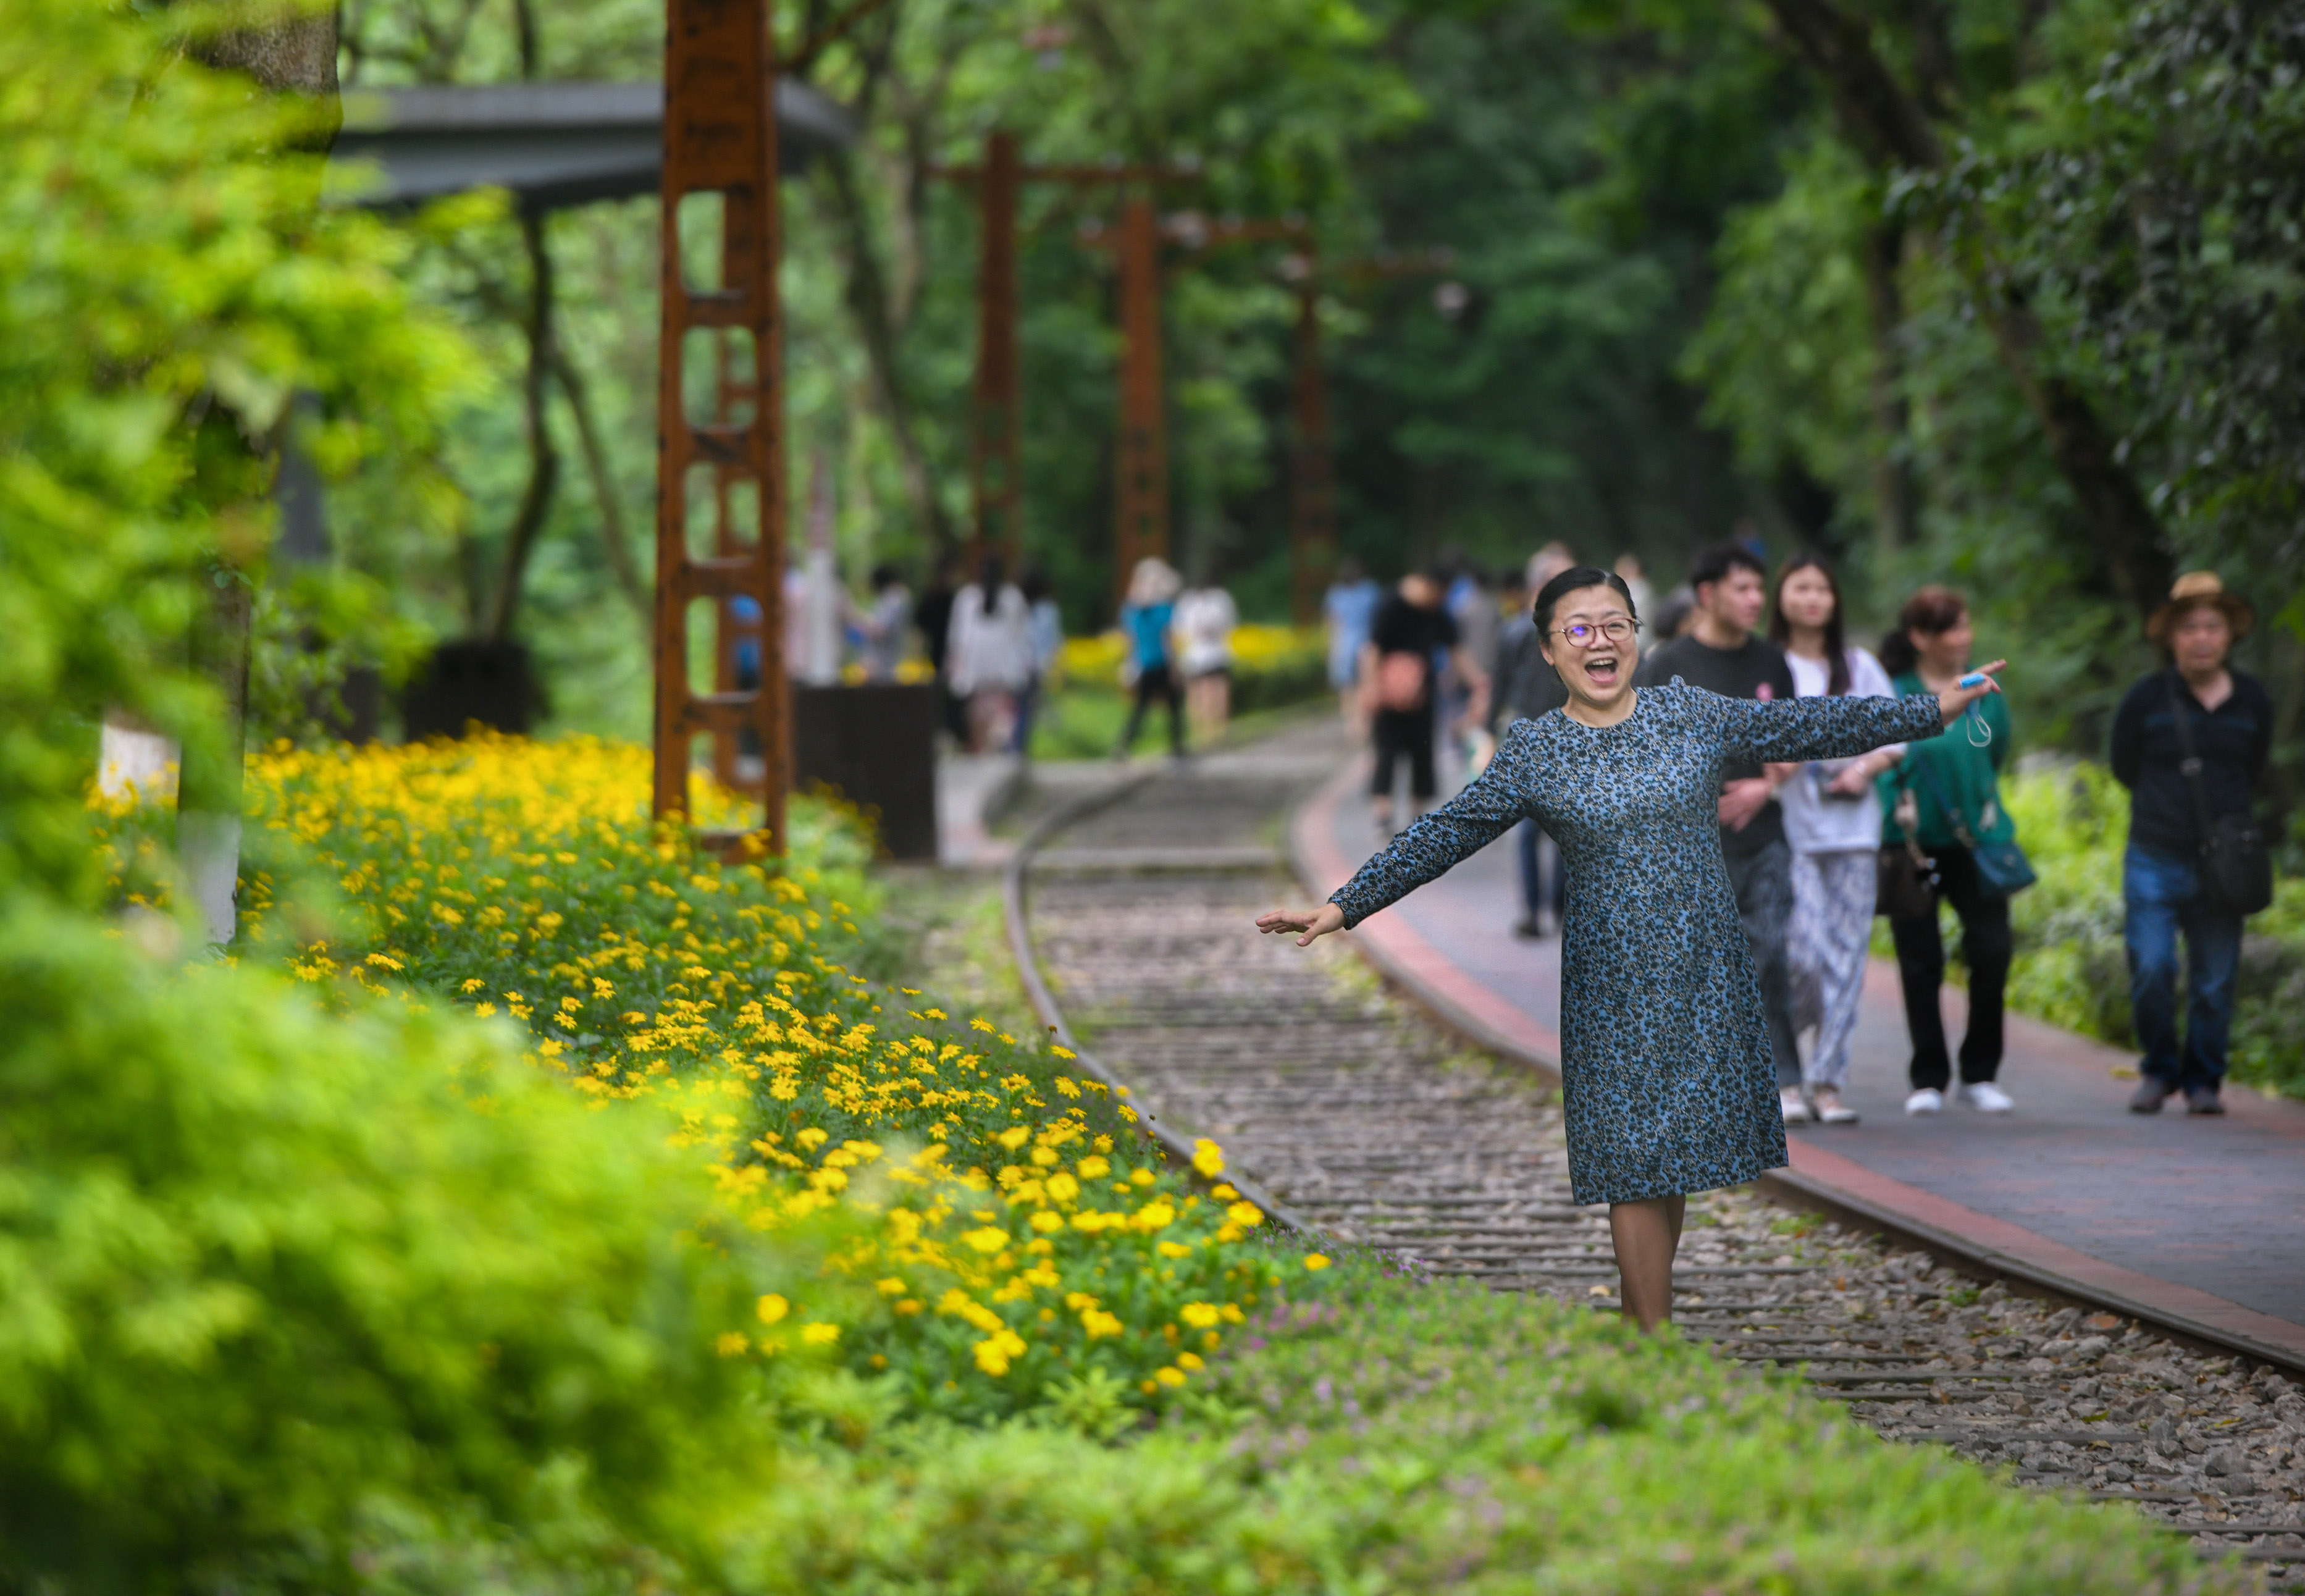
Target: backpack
{"type": "Point", "coordinates": [1400, 682]}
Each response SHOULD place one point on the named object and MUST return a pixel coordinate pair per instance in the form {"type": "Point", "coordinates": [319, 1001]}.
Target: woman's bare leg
{"type": "Point", "coordinates": [1647, 1233]}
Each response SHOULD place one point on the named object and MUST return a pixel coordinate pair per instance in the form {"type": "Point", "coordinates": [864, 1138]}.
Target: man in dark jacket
{"type": "Point", "coordinates": [2228, 718]}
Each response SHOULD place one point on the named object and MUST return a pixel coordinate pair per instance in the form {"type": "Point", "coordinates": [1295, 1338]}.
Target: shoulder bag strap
{"type": "Point", "coordinates": [1951, 811]}
{"type": "Point", "coordinates": [2192, 763]}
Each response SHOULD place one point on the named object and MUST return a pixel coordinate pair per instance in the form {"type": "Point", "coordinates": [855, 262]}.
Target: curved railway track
{"type": "Point", "coordinates": [1348, 1111]}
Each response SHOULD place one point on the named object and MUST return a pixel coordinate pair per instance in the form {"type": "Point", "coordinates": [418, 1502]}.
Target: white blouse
{"type": "Point", "coordinates": [1815, 822]}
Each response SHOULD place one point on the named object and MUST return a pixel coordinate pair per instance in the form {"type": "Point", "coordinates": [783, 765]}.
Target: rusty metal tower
{"type": "Point", "coordinates": [720, 465]}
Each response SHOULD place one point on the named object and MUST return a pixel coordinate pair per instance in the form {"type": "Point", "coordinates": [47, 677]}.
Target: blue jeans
{"type": "Point", "coordinates": [2164, 898]}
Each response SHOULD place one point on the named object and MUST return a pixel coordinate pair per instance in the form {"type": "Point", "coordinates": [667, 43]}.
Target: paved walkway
{"type": "Point", "coordinates": [2196, 1222]}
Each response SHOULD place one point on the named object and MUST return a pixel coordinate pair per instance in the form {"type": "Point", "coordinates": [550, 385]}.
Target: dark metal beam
{"type": "Point", "coordinates": [553, 145]}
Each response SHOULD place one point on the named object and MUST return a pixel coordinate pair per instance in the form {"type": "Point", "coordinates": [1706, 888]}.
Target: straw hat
{"type": "Point", "coordinates": [2200, 587]}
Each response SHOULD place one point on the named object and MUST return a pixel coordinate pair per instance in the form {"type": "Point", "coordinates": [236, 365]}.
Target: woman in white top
{"type": "Point", "coordinates": [1204, 622]}
{"type": "Point", "coordinates": [990, 657]}
{"type": "Point", "coordinates": [1833, 824]}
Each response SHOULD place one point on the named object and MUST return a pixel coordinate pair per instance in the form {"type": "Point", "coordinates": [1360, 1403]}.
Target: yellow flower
{"type": "Point", "coordinates": [1245, 1214]}
{"type": "Point", "coordinates": [891, 1287]}
{"type": "Point", "coordinates": [771, 1308]}
{"type": "Point", "coordinates": [996, 1351]}
{"type": "Point", "coordinates": [1208, 1157]}
{"type": "Point", "coordinates": [1169, 1376]}
{"type": "Point", "coordinates": [1093, 1168]}
{"type": "Point", "coordinates": [1013, 1137]}
{"type": "Point", "coordinates": [1142, 1177]}
{"type": "Point", "coordinates": [1199, 1315]}
{"type": "Point", "coordinates": [1190, 1360]}
{"type": "Point", "coordinates": [732, 1345]}
{"type": "Point", "coordinates": [1062, 1187]}
{"type": "Point", "coordinates": [1098, 1323]}
{"type": "Point", "coordinates": [1174, 1249]}
{"type": "Point", "coordinates": [813, 1138]}
{"type": "Point", "coordinates": [1315, 1260]}
{"type": "Point", "coordinates": [1046, 1222]}
{"type": "Point", "coordinates": [986, 1240]}
{"type": "Point", "coordinates": [820, 1335]}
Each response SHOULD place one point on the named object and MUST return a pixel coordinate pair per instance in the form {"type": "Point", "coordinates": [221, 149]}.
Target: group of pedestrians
{"type": "Point", "coordinates": [991, 641]}
{"type": "Point", "coordinates": [1814, 851]}
{"type": "Point", "coordinates": [1734, 807]}
{"type": "Point", "coordinates": [1177, 644]}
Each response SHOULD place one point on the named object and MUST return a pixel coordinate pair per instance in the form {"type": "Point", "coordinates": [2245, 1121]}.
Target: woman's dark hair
{"type": "Point", "coordinates": [992, 575]}
{"type": "Point", "coordinates": [1837, 640]}
{"type": "Point", "coordinates": [886, 576]}
{"type": "Point", "coordinates": [1550, 594]}
{"type": "Point", "coordinates": [1932, 610]}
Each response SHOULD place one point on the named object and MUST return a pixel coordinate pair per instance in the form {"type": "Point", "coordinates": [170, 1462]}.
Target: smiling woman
{"type": "Point", "coordinates": [1668, 1080]}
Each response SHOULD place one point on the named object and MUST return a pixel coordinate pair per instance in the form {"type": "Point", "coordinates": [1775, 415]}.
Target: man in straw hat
{"type": "Point", "coordinates": [2229, 717]}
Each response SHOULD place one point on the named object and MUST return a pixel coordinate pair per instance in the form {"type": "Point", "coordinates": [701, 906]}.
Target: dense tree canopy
{"type": "Point", "coordinates": [1952, 290]}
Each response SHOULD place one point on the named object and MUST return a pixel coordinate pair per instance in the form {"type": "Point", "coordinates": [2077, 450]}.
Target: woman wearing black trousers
{"type": "Point", "coordinates": [1944, 795]}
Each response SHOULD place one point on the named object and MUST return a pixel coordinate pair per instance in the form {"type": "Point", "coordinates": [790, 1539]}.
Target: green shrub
{"type": "Point", "coordinates": [263, 1268]}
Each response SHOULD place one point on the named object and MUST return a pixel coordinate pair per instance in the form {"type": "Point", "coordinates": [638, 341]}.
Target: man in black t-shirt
{"type": "Point", "coordinates": [1723, 653]}
{"type": "Point", "coordinates": [1410, 637]}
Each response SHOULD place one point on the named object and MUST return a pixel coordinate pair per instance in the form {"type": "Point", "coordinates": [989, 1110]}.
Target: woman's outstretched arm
{"type": "Point", "coordinates": [1458, 829]}
{"type": "Point", "coordinates": [1833, 728]}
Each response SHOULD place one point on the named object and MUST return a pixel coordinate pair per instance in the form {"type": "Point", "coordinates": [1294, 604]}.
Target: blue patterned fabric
{"type": "Point", "coordinates": [1668, 1084]}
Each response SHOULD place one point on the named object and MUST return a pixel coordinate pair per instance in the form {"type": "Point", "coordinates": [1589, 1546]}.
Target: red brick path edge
{"type": "Point", "coordinates": [1819, 1177]}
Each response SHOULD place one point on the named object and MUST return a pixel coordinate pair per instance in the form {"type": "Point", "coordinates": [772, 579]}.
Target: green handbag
{"type": "Point", "coordinates": [2002, 866]}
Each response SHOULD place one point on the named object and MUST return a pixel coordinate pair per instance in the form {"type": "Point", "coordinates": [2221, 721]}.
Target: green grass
{"type": "Point", "coordinates": [1401, 1435]}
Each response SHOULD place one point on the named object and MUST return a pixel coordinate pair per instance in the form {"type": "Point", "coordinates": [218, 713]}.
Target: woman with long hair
{"type": "Point", "coordinates": [1832, 824]}
{"type": "Point", "coordinates": [1668, 1078]}
{"type": "Point", "coordinates": [1945, 798]}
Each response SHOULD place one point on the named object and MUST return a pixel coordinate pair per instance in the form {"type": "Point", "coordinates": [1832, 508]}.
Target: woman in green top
{"type": "Point", "coordinates": [1944, 795]}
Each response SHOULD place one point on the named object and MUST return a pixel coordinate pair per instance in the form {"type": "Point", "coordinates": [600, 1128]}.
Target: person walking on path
{"type": "Point", "coordinates": [1146, 620]}
{"type": "Point", "coordinates": [1411, 632]}
{"type": "Point", "coordinates": [2226, 734]}
{"type": "Point", "coordinates": [1206, 619]}
{"type": "Point", "coordinates": [990, 656]}
{"type": "Point", "coordinates": [1723, 653]}
{"type": "Point", "coordinates": [886, 625]}
{"type": "Point", "coordinates": [1667, 1076]}
{"type": "Point", "coordinates": [1347, 612]}
{"type": "Point", "coordinates": [933, 616]}
{"type": "Point", "coordinates": [1044, 632]}
{"type": "Point", "coordinates": [1832, 826]}
{"type": "Point", "coordinates": [1944, 797]}
{"type": "Point", "coordinates": [1527, 687]}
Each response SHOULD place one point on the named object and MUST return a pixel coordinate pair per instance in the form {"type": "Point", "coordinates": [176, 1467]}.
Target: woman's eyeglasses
{"type": "Point", "coordinates": [1583, 636]}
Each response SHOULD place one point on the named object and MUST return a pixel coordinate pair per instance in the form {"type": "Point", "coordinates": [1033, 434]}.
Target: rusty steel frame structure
{"type": "Point", "coordinates": [720, 140]}
{"type": "Point", "coordinates": [996, 423]}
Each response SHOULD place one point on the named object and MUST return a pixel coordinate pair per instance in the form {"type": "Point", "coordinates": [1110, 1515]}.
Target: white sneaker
{"type": "Point", "coordinates": [1928, 1099]}
{"type": "Point", "coordinates": [1986, 1097]}
{"type": "Point", "coordinates": [1795, 1106]}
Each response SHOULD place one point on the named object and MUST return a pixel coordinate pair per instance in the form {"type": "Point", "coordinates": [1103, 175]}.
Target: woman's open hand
{"type": "Point", "coordinates": [1954, 704]}
{"type": "Point", "coordinates": [1313, 922]}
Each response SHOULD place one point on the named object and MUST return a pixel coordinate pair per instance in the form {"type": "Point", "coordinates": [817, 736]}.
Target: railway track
{"type": "Point", "coordinates": [1349, 1112]}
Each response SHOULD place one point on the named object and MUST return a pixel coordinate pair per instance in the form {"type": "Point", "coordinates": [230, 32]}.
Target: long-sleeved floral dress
{"type": "Point", "coordinates": [1668, 1084]}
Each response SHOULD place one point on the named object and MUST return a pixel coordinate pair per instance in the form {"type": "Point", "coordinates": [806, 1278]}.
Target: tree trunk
{"type": "Point", "coordinates": [1895, 511]}
{"type": "Point", "coordinates": [543, 459]}
{"type": "Point", "coordinates": [588, 442]}
{"type": "Point", "coordinates": [1890, 126]}
{"type": "Point", "coordinates": [295, 53]}
{"type": "Point", "coordinates": [868, 301]}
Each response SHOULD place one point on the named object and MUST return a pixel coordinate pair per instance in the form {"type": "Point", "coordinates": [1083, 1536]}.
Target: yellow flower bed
{"type": "Point", "coordinates": [1257, 650]}
{"type": "Point", "coordinates": [1000, 1229]}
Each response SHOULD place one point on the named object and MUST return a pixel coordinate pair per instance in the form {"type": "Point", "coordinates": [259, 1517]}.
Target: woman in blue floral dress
{"type": "Point", "coordinates": [1668, 1086]}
